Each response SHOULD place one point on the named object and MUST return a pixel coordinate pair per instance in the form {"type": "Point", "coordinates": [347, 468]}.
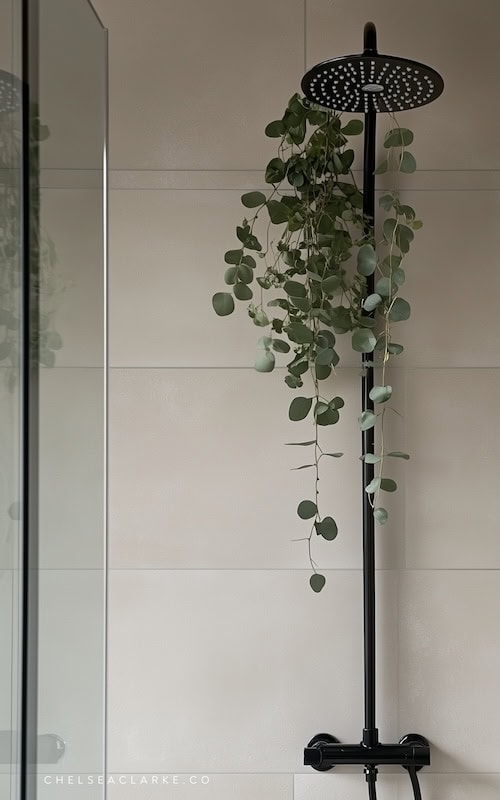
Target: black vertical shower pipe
{"type": "Point", "coordinates": [370, 732]}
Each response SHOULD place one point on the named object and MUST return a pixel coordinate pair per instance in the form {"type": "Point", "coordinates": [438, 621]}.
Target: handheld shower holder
{"type": "Point", "coordinates": [324, 752]}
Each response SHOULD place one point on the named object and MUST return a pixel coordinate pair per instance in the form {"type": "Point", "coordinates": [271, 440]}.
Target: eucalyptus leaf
{"type": "Point", "coordinates": [381, 515]}
{"type": "Point", "coordinates": [299, 333]}
{"type": "Point", "coordinates": [265, 362]}
{"type": "Point", "coordinates": [233, 256]}
{"type": "Point", "coordinates": [330, 417]}
{"type": "Point", "coordinates": [325, 357]}
{"type": "Point", "coordinates": [327, 528]}
{"type": "Point", "coordinates": [300, 444]}
{"type": "Point", "coordinates": [398, 137]}
{"type": "Point", "coordinates": [331, 284]}
{"type": "Point", "coordinates": [399, 454]}
{"type": "Point", "coordinates": [367, 260]}
{"type": "Point", "coordinates": [353, 128]}
{"type": "Point", "coordinates": [333, 455]}
{"type": "Point", "coordinates": [371, 302]}
{"type": "Point", "coordinates": [388, 485]}
{"type": "Point", "coordinates": [373, 486]}
{"type": "Point", "coordinates": [371, 458]}
{"type": "Point", "coordinates": [223, 304]}
{"type": "Point", "coordinates": [407, 163]}
{"type": "Point", "coordinates": [400, 310]}
{"type": "Point", "coordinates": [363, 340]}
{"type": "Point", "coordinates": [306, 509]}
{"type": "Point", "coordinates": [295, 288]}
{"type": "Point", "coordinates": [299, 408]}
{"type": "Point", "coordinates": [253, 199]}
{"type": "Point", "coordinates": [242, 291]}
{"type": "Point", "coordinates": [317, 582]}
{"type": "Point", "coordinates": [303, 466]}
{"type": "Point", "coordinates": [280, 346]}
{"type": "Point", "coordinates": [380, 394]}
{"type": "Point", "coordinates": [278, 212]}
{"type": "Point", "coordinates": [366, 420]}
{"type": "Point", "coordinates": [275, 129]}
{"type": "Point", "coordinates": [261, 319]}
{"type": "Point", "coordinates": [231, 275]}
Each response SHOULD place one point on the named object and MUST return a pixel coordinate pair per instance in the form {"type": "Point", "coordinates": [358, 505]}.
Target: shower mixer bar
{"type": "Point", "coordinates": [370, 83]}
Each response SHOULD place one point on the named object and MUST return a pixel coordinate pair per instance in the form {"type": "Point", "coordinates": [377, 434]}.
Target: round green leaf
{"type": "Point", "coordinates": [388, 485]}
{"type": "Point", "coordinates": [324, 357]}
{"type": "Point", "coordinates": [371, 302]}
{"type": "Point", "coordinates": [331, 284]}
{"type": "Point", "coordinates": [366, 420]}
{"type": "Point", "coordinates": [381, 515]}
{"type": "Point", "coordinates": [317, 582]}
{"type": "Point", "coordinates": [278, 212]}
{"type": "Point", "coordinates": [242, 291]}
{"type": "Point", "coordinates": [400, 310]}
{"type": "Point", "coordinates": [275, 129]}
{"type": "Point", "coordinates": [295, 288]}
{"type": "Point", "coordinates": [327, 528]}
{"type": "Point", "coordinates": [233, 256]}
{"type": "Point", "coordinates": [306, 509]}
{"type": "Point", "coordinates": [261, 319]}
{"type": "Point", "coordinates": [299, 333]}
{"type": "Point", "coordinates": [398, 137]}
{"type": "Point", "coordinates": [363, 340]}
{"type": "Point", "coordinates": [280, 346]}
{"type": "Point", "coordinates": [407, 163]}
{"type": "Point", "coordinates": [399, 454]}
{"type": "Point", "coordinates": [275, 171]}
{"type": "Point", "coordinates": [373, 486]}
{"type": "Point", "coordinates": [353, 128]}
{"type": "Point", "coordinates": [264, 362]}
{"type": "Point", "coordinates": [223, 304]}
{"type": "Point", "coordinates": [367, 260]}
{"type": "Point", "coordinates": [380, 394]}
{"type": "Point", "coordinates": [231, 275]}
{"type": "Point", "coordinates": [253, 199]}
{"type": "Point", "coordinates": [330, 417]}
{"type": "Point", "coordinates": [370, 458]}
{"type": "Point", "coordinates": [299, 408]}
{"type": "Point", "coordinates": [322, 373]}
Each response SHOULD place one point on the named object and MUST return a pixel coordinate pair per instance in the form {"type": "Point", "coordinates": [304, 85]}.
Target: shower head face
{"type": "Point", "coordinates": [376, 83]}
{"type": "Point", "coordinates": [10, 93]}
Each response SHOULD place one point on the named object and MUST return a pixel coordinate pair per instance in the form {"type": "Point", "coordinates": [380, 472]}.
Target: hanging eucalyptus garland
{"type": "Point", "coordinates": [315, 273]}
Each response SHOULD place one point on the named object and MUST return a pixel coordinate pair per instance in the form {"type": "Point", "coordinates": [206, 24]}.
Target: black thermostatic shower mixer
{"type": "Point", "coordinates": [370, 83]}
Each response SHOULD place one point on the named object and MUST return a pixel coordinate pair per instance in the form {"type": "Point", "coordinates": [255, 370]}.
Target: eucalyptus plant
{"type": "Point", "coordinates": [313, 273]}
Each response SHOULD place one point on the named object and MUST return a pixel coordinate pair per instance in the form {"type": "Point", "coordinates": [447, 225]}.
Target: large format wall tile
{"type": "Point", "coordinates": [456, 38]}
{"type": "Point", "coordinates": [192, 85]}
{"type": "Point", "coordinates": [449, 662]}
{"type": "Point", "coordinates": [338, 786]}
{"type": "Point", "coordinates": [71, 490]}
{"type": "Point", "coordinates": [167, 260]}
{"type": "Point", "coordinates": [208, 787]}
{"type": "Point", "coordinates": [200, 474]}
{"type": "Point", "coordinates": [71, 667]}
{"type": "Point", "coordinates": [453, 787]}
{"type": "Point", "coordinates": [452, 477]}
{"type": "Point", "coordinates": [236, 670]}
{"type": "Point", "coordinates": [452, 281]}
{"type": "Point", "coordinates": [72, 290]}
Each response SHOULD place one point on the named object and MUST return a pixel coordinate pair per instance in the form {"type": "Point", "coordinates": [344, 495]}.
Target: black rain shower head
{"type": "Point", "coordinates": [10, 92]}
{"type": "Point", "coordinates": [371, 82]}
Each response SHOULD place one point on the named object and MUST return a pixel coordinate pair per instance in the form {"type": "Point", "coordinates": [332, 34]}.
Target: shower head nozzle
{"type": "Point", "coordinates": [10, 93]}
{"type": "Point", "coordinates": [371, 82]}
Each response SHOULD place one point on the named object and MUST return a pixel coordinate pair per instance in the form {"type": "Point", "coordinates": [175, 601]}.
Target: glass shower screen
{"type": "Point", "coordinates": [53, 509]}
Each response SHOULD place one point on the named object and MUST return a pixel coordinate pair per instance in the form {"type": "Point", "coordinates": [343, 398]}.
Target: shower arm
{"type": "Point", "coordinates": [324, 751]}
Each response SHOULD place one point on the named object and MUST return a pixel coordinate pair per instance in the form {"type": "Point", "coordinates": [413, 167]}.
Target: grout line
{"type": "Point", "coordinates": [252, 368]}
{"type": "Point", "coordinates": [157, 568]}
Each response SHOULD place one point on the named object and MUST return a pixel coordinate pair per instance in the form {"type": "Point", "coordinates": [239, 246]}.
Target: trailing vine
{"type": "Point", "coordinates": [316, 276]}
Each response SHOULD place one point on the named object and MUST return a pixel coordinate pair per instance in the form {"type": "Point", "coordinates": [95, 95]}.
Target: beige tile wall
{"type": "Point", "coordinates": [221, 659]}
